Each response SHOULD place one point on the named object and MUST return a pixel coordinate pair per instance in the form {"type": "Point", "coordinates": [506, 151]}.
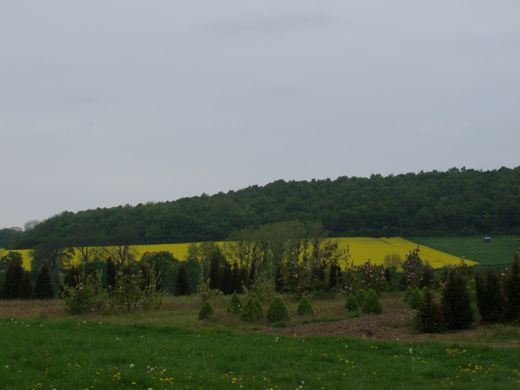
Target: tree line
{"type": "Point", "coordinates": [458, 201]}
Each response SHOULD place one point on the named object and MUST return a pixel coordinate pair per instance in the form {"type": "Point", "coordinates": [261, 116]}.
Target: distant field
{"type": "Point", "coordinates": [361, 249]}
{"type": "Point", "coordinates": [499, 251]}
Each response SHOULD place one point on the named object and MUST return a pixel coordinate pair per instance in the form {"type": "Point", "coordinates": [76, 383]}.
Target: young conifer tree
{"type": "Point", "coordinates": [43, 286]}
{"type": "Point", "coordinates": [456, 302]}
{"type": "Point", "coordinates": [25, 289]}
{"type": "Point", "coordinates": [429, 318]}
{"type": "Point", "coordinates": [13, 278]}
{"type": "Point", "coordinates": [111, 274]}
{"type": "Point", "coordinates": [489, 297]}
{"type": "Point", "coordinates": [512, 291]}
{"type": "Point", "coordinates": [182, 282]}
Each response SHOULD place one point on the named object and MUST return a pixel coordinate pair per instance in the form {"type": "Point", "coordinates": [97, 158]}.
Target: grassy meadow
{"type": "Point", "coordinates": [44, 349]}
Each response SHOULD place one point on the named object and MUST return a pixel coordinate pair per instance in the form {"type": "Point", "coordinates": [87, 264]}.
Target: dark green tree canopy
{"type": "Point", "coordinates": [459, 201]}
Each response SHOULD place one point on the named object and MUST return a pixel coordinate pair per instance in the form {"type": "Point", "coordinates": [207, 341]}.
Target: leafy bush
{"type": "Point", "coordinates": [456, 302]}
{"type": "Point", "coordinates": [415, 298]}
{"type": "Point", "coordinates": [429, 318]}
{"type": "Point", "coordinates": [85, 295]}
{"type": "Point", "coordinates": [262, 288]}
{"type": "Point", "coordinates": [151, 298]}
{"type": "Point", "coordinates": [371, 303]}
{"type": "Point", "coordinates": [235, 306]}
{"type": "Point", "coordinates": [252, 311]}
{"type": "Point", "coordinates": [127, 292]}
{"type": "Point", "coordinates": [205, 290]}
{"type": "Point", "coordinates": [305, 308]}
{"type": "Point", "coordinates": [206, 311]}
{"type": "Point", "coordinates": [277, 311]}
{"type": "Point", "coordinates": [352, 303]}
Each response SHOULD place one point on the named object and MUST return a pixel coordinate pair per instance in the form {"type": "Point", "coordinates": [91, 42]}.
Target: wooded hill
{"type": "Point", "coordinates": [456, 202]}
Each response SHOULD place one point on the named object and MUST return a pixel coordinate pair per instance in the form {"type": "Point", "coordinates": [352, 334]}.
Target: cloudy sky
{"type": "Point", "coordinates": [107, 102]}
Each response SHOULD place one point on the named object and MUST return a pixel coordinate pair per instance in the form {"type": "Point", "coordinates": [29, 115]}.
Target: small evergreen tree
{"type": "Point", "coordinates": [352, 303]}
{"type": "Point", "coordinates": [25, 289]}
{"type": "Point", "coordinates": [305, 308]}
{"type": "Point", "coordinates": [415, 298]}
{"type": "Point", "coordinates": [360, 297]}
{"type": "Point", "coordinates": [182, 282]}
{"type": "Point", "coordinates": [334, 275]}
{"type": "Point", "coordinates": [278, 279]}
{"type": "Point", "coordinates": [512, 291]}
{"type": "Point", "coordinates": [429, 317]}
{"type": "Point", "coordinates": [214, 274]}
{"type": "Point", "coordinates": [71, 276]}
{"type": "Point", "coordinates": [226, 279]}
{"type": "Point", "coordinates": [235, 278]}
{"type": "Point", "coordinates": [243, 280]}
{"type": "Point", "coordinates": [409, 290]}
{"type": "Point", "coordinates": [371, 304]}
{"type": "Point", "coordinates": [489, 297]}
{"type": "Point", "coordinates": [43, 287]}
{"type": "Point", "coordinates": [252, 311]}
{"type": "Point", "coordinates": [13, 278]}
{"type": "Point", "coordinates": [206, 311]}
{"type": "Point", "coordinates": [277, 311]}
{"type": "Point", "coordinates": [456, 302]}
{"type": "Point", "coordinates": [235, 306]}
{"type": "Point", "coordinates": [252, 274]}
{"type": "Point", "coordinates": [427, 276]}
{"type": "Point", "coordinates": [111, 274]}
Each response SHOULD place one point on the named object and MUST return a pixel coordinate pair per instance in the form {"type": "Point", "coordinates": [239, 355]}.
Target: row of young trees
{"type": "Point", "coordinates": [18, 283]}
{"type": "Point", "coordinates": [496, 295]}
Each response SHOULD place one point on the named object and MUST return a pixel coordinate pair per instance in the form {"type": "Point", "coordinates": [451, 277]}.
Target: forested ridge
{"type": "Point", "coordinates": [455, 202]}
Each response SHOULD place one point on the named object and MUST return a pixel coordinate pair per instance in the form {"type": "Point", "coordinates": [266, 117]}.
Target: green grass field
{"type": "Point", "coordinates": [77, 354]}
{"type": "Point", "coordinates": [500, 251]}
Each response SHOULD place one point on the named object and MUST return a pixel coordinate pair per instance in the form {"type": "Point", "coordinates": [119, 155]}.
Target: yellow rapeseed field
{"type": "Point", "coordinates": [360, 249]}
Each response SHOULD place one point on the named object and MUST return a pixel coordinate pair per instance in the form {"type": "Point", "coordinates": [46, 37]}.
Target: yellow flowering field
{"type": "Point", "coordinates": [360, 249]}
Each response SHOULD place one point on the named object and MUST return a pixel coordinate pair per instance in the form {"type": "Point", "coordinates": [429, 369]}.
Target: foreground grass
{"type": "Point", "coordinates": [65, 354]}
{"type": "Point", "coordinates": [499, 251]}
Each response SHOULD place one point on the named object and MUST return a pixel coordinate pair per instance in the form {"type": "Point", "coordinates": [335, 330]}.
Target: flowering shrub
{"type": "Point", "coordinates": [131, 291]}
{"type": "Point", "coordinates": [86, 295]}
{"type": "Point", "coordinates": [372, 276]}
{"type": "Point", "coordinates": [412, 269]}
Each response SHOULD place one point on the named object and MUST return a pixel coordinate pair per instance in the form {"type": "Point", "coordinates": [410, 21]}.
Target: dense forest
{"type": "Point", "coordinates": [458, 201]}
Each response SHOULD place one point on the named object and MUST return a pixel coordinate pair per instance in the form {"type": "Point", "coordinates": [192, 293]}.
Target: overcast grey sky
{"type": "Point", "coordinates": [106, 102]}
